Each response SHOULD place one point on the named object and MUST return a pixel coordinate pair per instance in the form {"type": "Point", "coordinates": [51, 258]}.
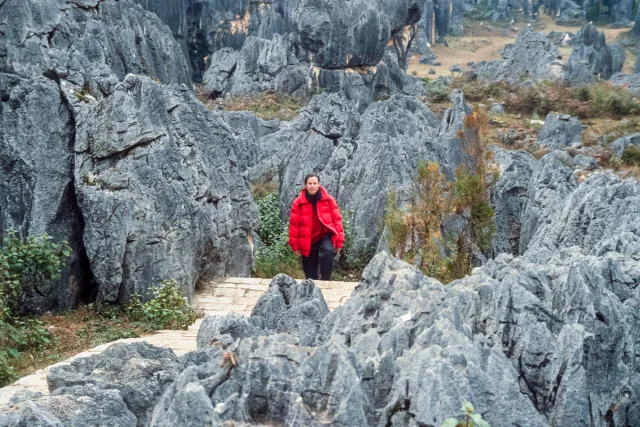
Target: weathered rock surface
{"type": "Point", "coordinates": [533, 56]}
{"type": "Point", "coordinates": [141, 179]}
{"type": "Point", "coordinates": [537, 342]}
{"type": "Point", "coordinates": [620, 144]}
{"type": "Point", "coordinates": [92, 43]}
{"type": "Point", "coordinates": [119, 386]}
{"type": "Point", "coordinates": [560, 131]}
{"type": "Point", "coordinates": [360, 157]}
{"type": "Point", "coordinates": [286, 306]}
{"type": "Point", "coordinates": [591, 58]}
{"type": "Point", "coordinates": [205, 26]}
{"type": "Point", "coordinates": [196, 220]}
{"type": "Point", "coordinates": [260, 65]}
{"type": "Point", "coordinates": [37, 192]}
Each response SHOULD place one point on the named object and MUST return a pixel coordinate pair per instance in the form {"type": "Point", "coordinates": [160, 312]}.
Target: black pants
{"type": "Point", "coordinates": [322, 252]}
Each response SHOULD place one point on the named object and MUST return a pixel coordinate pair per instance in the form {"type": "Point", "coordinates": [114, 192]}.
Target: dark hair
{"type": "Point", "coordinates": [310, 175]}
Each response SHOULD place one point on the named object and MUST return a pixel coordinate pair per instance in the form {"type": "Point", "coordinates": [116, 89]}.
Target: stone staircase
{"type": "Point", "coordinates": [233, 295]}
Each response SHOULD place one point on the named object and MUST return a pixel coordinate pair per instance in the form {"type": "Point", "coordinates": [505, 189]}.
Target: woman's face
{"type": "Point", "coordinates": [312, 185]}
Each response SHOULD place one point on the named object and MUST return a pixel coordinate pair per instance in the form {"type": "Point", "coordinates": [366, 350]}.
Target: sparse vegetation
{"type": "Point", "coordinates": [29, 343]}
{"type": "Point", "coordinates": [267, 106]}
{"type": "Point", "coordinates": [470, 418]}
{"type": "Point", "coordinates": [631, 156]}
{"type": "Point", "coordinates": [417, 233]}
{"type": "Point", "coordinates": [437, 92]}
{"type": "Point", "coordinates": [594, 100]}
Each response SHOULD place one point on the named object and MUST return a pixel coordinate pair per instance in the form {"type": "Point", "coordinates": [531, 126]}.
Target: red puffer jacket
{"type": "Point", "coordinates": [302, 216]}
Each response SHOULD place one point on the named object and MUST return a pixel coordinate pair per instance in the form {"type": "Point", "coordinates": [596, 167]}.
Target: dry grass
{"type": "Point", "coordinates": [479, 44]}
{"type": "Point", "coordinates": [75, 332]}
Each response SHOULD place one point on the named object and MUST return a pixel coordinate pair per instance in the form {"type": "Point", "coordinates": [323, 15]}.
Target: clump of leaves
{"type": "Point", "coordinates": [274, 256]}
{"type": "Point", "coordinates": [168, 309]}
{"type": "Point", "coordinates": [631, 156]}
{"type": "Point", "coordinates": [470, 419]}
{"type": "Point", "coordinates": [437, 92]}
{"type": "Point", "coordinates": [24, 265]}
{"type": "Point", "coordinates": [415, 234]}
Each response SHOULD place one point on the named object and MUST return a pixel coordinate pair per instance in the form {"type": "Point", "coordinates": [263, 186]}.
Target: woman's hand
{"type": "Point", "coordinates": [297, 253]}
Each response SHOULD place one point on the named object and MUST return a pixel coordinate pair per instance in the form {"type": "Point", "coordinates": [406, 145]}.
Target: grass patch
{"type": "Point", "coordinates": [267, 106]}
{"type": "Point", "coordinates": [631, 156]}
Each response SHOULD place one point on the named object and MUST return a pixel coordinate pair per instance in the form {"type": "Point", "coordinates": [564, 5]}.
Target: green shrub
{"type": "Point", "coordinates": [24, 264]}
{"type": "Point", "coordinates": [470, 419]}
{"type": "Point", "coordinates": [437, 92]}
{"type": "Point", "coordinates": [631, 156]}
{"type": "Point", "coordinates": [274, 256]}
{"type": "Point", "coordinates": [168, 309]}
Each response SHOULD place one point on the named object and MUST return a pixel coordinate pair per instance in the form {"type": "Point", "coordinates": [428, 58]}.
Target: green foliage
{"type": "Point", "coordinates": [470, 419]}
{"type": "Point", "coordinates": [274, 256]}
{"type": "Point", "coordinates": [271, 225]}
{"type": "Point", "coordinates": [588, 101]}
{"type": "Point", "coordinates": [480, 91]}
{"type": "Point", "coordinates": [168, 309]}
{"type": "Point", "coordinates": [631, 156]}
{"type": "Point", "coordinates": [24, 264]}
{"type": "Point", "coordinates": [350, 263]}
{"type": "Point", "coordinates": [415, 233]}
{"type": "Point", "coordinates": [437, 92]}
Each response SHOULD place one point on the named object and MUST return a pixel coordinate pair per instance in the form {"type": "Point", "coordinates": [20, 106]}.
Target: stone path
{"type": "Point", "coordinates": [235, 294]}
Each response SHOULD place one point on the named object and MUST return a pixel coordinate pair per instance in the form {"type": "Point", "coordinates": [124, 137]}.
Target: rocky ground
{"type": "Point", "coordinates": [107, 143]}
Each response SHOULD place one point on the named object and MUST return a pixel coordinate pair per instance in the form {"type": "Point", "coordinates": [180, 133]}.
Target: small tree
{"type": "Point", "coordinates": [415, 233]}
{"type": "Point", "coordinates": [472, 192]}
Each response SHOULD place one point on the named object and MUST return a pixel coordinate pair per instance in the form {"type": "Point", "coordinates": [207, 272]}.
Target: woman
{"type": "Point", "coordinates": [315, 229]}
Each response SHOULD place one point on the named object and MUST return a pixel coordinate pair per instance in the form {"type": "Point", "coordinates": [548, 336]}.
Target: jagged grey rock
{"type": "Point", "coordinates": [74, 407]}
{"type": "Point", "coordinates": [580, 161]}
{"type": "Point", "coordinates": [591, 58]}
{"type": "Point", "coordinates": [160, 190]}
{"type": "Point", "coordinates": [93, 43]}
{"type": "Point", "coordinates": [340, 34]}
{"type": "Point", "coordinates": [533, 56]}
{"type": "Point", "coordinates": [551, 183]}
{"type": "Point", "coordinates": [37, 193]}
{"type": "Point", "coordinates": [205, 26]}
{"type": "Point", "coordinates": [560, 131]}
{"type": "Point", "coordinates": [509, 196]}
{"type": "Point", "coordinates": [620, 144]}
{"type": "Point", "coordinates": [254, 68]}
{"type": "Point", "coordinates": [571, 13]}
{"type": "Point", "coordinates": [138, 372]}
{"type": "Point", "coordinates": [286, 306]}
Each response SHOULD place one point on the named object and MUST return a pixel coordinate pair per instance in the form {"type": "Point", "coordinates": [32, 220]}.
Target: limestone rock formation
{"type": "Point", "coordinates": [138, 176]}
{"type": "Point", "coordinates": [159, 190]}
{"type": "Point", "coordinates": [297, 309]}
{"type": "Point", "coordinates": [539, 343]}
{"type": "Point", "coordinates": [206, 26]}
{"type": "Point", "coordinates": [92, 43]}
{"type": "Point", "coordinates": [532, 57]}
{"type": "Point", "coordinates": [359, 157]}
{"type": "Point", "coordinates": [560, 131]}
{"type": "Point", "coordinates": [591, 58]}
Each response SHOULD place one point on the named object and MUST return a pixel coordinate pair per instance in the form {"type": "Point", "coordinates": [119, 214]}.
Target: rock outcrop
{"type": "Point", "coordinates": [159, 190]}
{"type": "Point", "coordinates": [206, 26]}
{"type": "Point", "coordinates": [560, 131]}
{"type": "Point", "coordinates": [136, 174]}
{"type": "Point", "coordinates": [537, 342]}
{"type": "Point", "coordinates": [297, 309]}
{"type": "Point", "coordinates": [591, 58]}
{"type": "Point", "coordinates": [359, 157]}
{"type": "Point", "coordinates": [532, 57]}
